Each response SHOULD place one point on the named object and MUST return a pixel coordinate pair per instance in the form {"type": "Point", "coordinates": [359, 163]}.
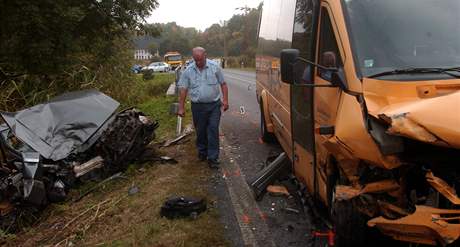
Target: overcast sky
{"type": "Point", "coordinates": [198, 13]}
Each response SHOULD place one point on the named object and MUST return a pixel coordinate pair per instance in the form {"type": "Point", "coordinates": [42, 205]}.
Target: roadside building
{"type": "Point", "coordinates": [142, 46]}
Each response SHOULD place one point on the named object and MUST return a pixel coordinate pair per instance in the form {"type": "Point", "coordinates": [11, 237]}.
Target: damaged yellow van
{"type": "Point", "coordinates": [364, 97]}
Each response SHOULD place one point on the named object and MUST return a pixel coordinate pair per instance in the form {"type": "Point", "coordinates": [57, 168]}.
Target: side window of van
{"type": "Point", "coordinates": [304, 31]}
{"type": "Point", "coordinates": [269, 28]}
{"type": "Point", "coordinates": [329, 54]}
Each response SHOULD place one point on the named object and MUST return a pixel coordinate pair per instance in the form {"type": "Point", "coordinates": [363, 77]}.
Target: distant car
{"type": "Point", "coordinates": [136, 68]}
{"type": "Point", "coordinates": [158, 67]}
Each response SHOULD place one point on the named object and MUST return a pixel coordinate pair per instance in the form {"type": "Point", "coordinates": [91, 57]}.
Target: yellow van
{"type": "Point", "coordinates": [366, 103]}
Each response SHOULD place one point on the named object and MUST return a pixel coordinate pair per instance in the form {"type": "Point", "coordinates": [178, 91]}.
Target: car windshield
{"type": "Point", "coordinates": [394, 34]}
{"type": "Point", "coordinates": [174, 58]}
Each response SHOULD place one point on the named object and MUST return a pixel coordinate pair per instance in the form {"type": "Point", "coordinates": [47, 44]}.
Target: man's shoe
{"type": "Point", "coordinates": [202, 157]}
{"type": "Point", "coordinates": [213, 164]}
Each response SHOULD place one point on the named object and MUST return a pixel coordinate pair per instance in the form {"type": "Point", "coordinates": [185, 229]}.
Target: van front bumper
{"type": "Point", "coordinates": [426, 225]}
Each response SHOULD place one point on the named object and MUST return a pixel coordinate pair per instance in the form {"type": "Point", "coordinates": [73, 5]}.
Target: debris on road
{"type": "Point", "coordinates": [181, 207]}
{"type": "Point", "coordinates": [242, 110]}
{"type": "Point", "coordinates": [46, 149]}
{"type": "Point", "coordinates": [291, 210]}
{"type": "Point", "coordinates": [328, 235]}
{"type": "Point", "coordinates": [277, 190]}
{"type": "Point", "coordinates": [269, 174]}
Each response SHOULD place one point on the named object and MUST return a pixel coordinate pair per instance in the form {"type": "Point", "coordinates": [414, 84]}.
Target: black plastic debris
{"type": "Point", "coordinates": [269, 174]}
{"type": "Point", "coordinates": [181, 207]}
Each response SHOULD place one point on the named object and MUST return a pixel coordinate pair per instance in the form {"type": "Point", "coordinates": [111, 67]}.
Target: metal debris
{"type": "Point", "coordinates": [277, 190]}
{"type": "Point", "coordinates": [187, 131]}
{"type": "Point", "coordinates": [443, 188]}
{"type": "Point", "coordinates": [291, 210]}
{"type": "Point", "coordinates": [133, 190]}
{"type": "Point", "coordinates": [242, 110]}
{"type": "Point", "coordinates": [95, 187]}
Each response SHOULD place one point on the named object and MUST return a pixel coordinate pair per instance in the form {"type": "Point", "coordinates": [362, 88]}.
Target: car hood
{"type": "Point", "coordinates": [66, 124]}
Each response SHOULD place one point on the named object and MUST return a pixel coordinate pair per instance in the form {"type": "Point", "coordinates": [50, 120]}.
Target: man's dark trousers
{"type": "Point", "coordinates": [206, 118]}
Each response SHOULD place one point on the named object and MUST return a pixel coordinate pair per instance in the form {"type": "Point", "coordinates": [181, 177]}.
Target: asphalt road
{"type": "Point", "coordinates": [262, 223]}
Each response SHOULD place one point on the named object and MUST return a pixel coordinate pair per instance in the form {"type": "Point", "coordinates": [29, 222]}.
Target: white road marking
{"type": "Point", "coordinates": [246, 209]}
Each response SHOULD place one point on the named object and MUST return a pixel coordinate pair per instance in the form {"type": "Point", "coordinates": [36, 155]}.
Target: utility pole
{"type": "Point", "coordinates": [224, 35]}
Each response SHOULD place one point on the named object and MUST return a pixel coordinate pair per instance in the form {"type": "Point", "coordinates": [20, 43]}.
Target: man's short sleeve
{"type": "Point", "coordinates": [184, 80]}
{"type": "Point", "coordinates": [219, 75]}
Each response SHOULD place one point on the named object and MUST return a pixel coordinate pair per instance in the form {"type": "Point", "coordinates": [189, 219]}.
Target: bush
{"type": "Point", "coordinates": [235, 62]}
{"type": "Point", "coordinates": [50, 47]}
{"type": "Point", "coordinates": [148, 75]}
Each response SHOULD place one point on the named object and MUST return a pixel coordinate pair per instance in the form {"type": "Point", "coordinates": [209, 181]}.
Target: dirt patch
{"type": "Point", "coordinates": [112, 217]}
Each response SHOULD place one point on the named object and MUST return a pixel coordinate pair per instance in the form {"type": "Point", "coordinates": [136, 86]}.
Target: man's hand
{"type": "Point", "coordinates": [182, 96]}
{"type": "Point", "coordinates": [181, 112]}
{"type": "Point", "coordinates": [224, 105]}
{"type": "Point", "coordinates": [224, 96]}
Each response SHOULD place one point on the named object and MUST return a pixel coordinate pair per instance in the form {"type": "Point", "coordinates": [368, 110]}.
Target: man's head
{"type": "Point", "coordinates": [199, 55]}
{"type": "Point", "coordinates": [329, 59]}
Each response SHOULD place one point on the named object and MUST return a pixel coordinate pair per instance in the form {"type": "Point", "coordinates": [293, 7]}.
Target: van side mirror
{"type": "Point", "coordinates": [338, 79]}
{"type": "Point", "coordinates": [288, 59]}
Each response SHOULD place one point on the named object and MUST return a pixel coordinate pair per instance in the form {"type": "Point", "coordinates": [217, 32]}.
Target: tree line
{"type": "Point", "coordinates": [236, 37]}
{"type": "Point", "coordinates": [48, 47]}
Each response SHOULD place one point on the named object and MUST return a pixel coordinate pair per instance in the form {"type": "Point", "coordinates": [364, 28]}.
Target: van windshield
{"type": "Point", "coordinates": [174, 58]}
{"type": "Point", "coordinates": [397, 35]}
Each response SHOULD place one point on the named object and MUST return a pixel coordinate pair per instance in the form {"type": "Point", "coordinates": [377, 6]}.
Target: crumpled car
{"type": "Point", "coordinates": [48, 148]}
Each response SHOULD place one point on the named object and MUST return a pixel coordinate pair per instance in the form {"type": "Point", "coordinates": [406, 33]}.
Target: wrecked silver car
{"type": "Point", "coordinates": [48, 148]}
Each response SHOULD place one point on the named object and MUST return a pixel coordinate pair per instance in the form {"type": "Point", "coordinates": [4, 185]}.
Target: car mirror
{"type": "Point", "coordinates": [288, 59]}
{"type": "Point", "coordinates": [338, 79]}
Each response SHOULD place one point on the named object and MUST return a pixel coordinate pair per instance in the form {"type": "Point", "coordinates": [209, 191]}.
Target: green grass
{"type": "Point", "coordinates": [156, 104]}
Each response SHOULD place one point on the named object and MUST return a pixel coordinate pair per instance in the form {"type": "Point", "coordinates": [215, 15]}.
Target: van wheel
{"type": "Point", "coordinates": [350, 225]}
{"type": "Point", "coordinates": [265, 135]}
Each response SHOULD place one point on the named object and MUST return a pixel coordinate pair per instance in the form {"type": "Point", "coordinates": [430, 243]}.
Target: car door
{"type": "Point", "coordinates": [326, 99]}
{"type": "Point", "coordinates": [302, 121]}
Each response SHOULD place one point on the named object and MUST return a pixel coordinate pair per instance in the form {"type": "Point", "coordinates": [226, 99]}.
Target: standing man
{"type": "Point", "coordinates": [202, 81]}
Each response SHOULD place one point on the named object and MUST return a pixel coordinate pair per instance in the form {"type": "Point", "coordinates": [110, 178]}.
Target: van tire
{"type": "Point", "coordinates": [350, 225]}
{"type": "Point", "coordinates": [264, 134]}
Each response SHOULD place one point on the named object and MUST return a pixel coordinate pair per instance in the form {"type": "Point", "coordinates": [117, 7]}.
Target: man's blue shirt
{"type": "Point", "coordinates": [203, 86]}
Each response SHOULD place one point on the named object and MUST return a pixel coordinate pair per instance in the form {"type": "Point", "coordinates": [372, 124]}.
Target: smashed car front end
{"type": "Point", "coordinates": [418, 124]}
{"type": "Point", "coordinates": [48, 148]}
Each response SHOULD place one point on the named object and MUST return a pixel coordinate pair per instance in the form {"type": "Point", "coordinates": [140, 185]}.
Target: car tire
{"type": "Point", "coordinates": [266, 136]}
